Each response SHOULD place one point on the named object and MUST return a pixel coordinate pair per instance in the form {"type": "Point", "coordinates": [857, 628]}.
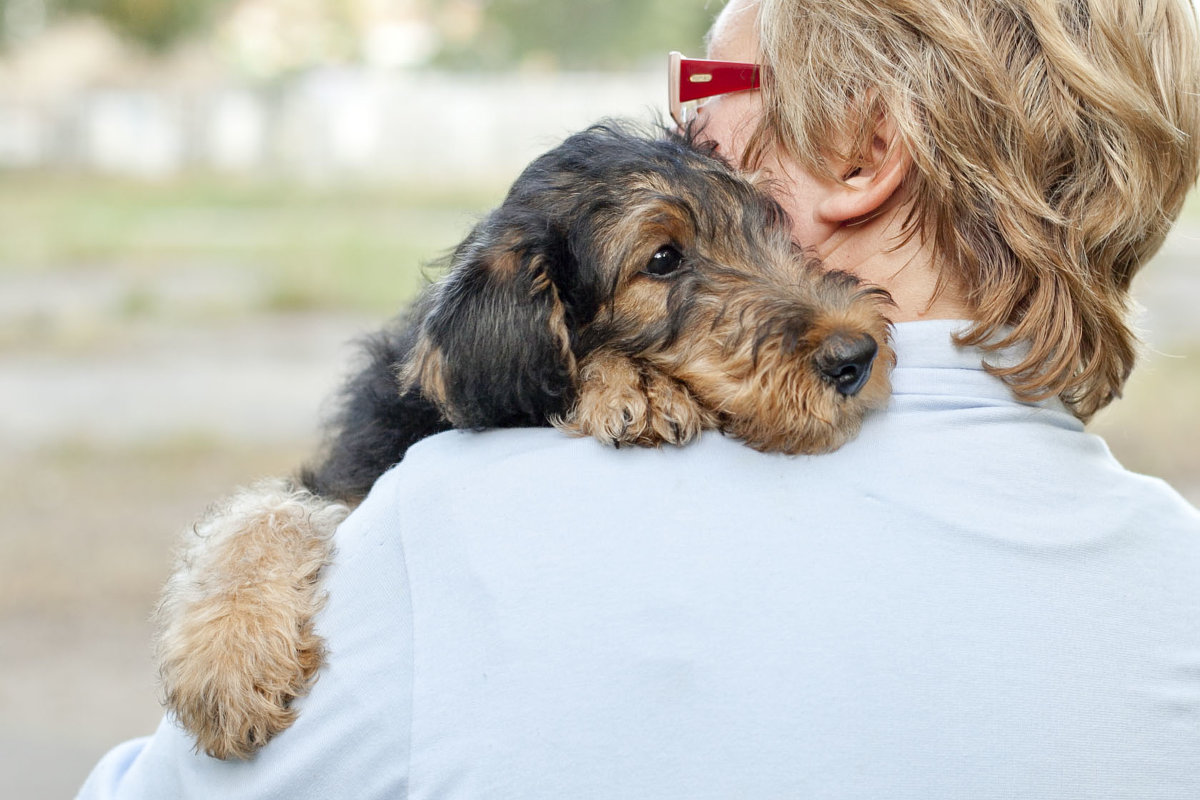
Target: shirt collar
{"type": "Point", "coordinates": [929, 363]}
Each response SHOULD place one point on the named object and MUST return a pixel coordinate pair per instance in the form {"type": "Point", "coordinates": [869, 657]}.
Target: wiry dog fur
{"type": "Point", "coordinates": [633, 289]}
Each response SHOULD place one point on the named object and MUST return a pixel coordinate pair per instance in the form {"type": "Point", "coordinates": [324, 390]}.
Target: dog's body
{"type": "Point", "coordinates": [632, 289]}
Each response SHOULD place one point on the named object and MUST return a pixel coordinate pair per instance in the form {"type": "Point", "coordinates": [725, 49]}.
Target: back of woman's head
{"type": "Point", "coordinates": [1052, 142]}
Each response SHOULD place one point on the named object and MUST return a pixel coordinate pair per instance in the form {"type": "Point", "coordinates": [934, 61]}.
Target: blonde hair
{"type": "Point", "coordinates": [1052, 141]}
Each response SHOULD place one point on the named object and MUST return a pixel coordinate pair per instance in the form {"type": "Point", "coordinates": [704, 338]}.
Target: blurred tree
{"type": "Point", "coordinates": [157, 24]}
{"type": "Point", "coordinates": [474, 34]}
{"type": "Point", "coordinates": [575, 34]}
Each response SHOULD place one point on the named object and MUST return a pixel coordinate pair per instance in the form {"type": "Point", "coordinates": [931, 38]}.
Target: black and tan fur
{"type": "Point", "coordinates": [634, 289]}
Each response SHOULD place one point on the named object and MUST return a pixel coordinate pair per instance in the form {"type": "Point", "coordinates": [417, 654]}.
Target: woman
{"type": "Point", "coordinates": [1011, 164]}
{"type": "Point", "coordinates": [971, 600]}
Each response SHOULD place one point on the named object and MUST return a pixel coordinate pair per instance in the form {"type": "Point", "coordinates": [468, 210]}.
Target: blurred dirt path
{"type": "Point", "coordinates": [259, 379]}
{"type": "Point", "coordinates": [111, 442]}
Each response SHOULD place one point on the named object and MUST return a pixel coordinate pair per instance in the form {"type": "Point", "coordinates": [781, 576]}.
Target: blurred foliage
{"type": "Point", "coordinates": [156, 24]}
{"type": "Point", "coordinates": [473, 34]}
{"type": "Point", "coordinates": [578, 34]}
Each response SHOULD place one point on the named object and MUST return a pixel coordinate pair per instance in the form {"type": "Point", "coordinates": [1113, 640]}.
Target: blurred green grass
{"type": "Point", "coordinates": [345, 247]}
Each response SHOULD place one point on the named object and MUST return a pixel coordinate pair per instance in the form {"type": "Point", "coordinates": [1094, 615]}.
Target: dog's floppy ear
{"type": "Point", "coordinates": [494, 348]}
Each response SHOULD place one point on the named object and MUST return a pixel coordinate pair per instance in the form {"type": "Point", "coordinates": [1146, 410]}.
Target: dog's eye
{"type": "Point", "coordinates": [666, 260]}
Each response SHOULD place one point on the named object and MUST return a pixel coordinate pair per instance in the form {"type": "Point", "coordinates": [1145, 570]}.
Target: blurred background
{"type": "Point", "coordinates": [203, 201]}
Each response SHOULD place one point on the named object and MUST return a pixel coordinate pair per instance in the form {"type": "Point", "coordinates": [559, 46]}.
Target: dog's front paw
{"type": "Point", "coordinates": [673, 415]}
{"type": "Point", "coordinates": [611, 405]}
{"type": "Point", "coordinates": [622, 402]}
{"type": "Point", "coordinates": [236, 643]}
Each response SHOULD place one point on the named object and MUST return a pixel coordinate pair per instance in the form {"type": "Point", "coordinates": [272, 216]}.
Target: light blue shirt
{"type": "Point", "coordinates": [971, 600]}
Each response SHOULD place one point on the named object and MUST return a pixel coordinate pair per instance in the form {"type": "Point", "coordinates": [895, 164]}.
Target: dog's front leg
{"type": "Point", "coordinates": [235, 640]}
{"type": "Point", "coordinates": [623, 401]}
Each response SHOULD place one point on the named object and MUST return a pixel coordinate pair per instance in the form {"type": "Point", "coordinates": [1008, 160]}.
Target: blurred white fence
{"type": "Point", "coordinates": [325, 125]}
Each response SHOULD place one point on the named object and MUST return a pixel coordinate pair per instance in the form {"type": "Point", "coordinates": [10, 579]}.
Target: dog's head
{"type": "Point", "coordinates": [650, 247]}
{"type": "Point", "coordinates": [502, 332]}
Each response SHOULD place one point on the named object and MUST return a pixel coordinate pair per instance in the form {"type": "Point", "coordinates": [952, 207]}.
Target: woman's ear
{"type": "Point", "coordinates": [868, 185]}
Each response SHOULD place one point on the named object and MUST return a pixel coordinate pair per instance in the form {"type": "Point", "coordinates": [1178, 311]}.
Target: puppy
{"type": "Point", "coordinates": [633, 289]}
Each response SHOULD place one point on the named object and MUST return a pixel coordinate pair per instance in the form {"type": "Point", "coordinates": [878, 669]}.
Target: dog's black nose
{"type": "Point", "coordinates": [845, 361]}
